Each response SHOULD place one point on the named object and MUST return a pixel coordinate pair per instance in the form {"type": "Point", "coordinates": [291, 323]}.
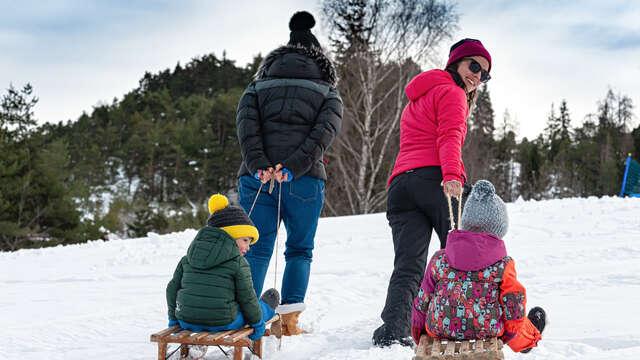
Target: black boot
{"type": "Point", "coordinates": [271, 297]}
{"type": "Point", "coordinates": [386, 335]}
{"type": "Point", "coordinates": [539, 319]}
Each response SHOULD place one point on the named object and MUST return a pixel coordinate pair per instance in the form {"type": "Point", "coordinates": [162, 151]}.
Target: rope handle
{"type": "Point", "coordinates": [271, 186]}
{"type": "Point", "coordinates": [275, 268]}
{"type": "Point", "coordinates": [459, 198]}
{"type": "Point", "coordinates": [275, 275]}
{"type": "Point", "coordinates": [255, 199]}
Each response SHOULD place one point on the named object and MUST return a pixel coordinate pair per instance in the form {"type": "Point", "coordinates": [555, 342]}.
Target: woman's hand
{"type": "Point", "coordinates": [278, 174]}
{"type": "Point", "coordinates": [265, 175]}
{"type": "Point", "coordinates": [453, 188]}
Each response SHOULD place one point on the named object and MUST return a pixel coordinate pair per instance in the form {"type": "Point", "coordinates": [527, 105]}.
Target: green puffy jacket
{"type": "Point", "coordinates": [211, 281]}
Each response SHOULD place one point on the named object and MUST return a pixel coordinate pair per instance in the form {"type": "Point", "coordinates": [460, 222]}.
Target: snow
{"type": "Point", "coordinates": [578, 258]}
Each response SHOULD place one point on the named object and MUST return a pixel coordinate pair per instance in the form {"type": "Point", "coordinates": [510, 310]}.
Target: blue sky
{"type": "Point", "coordinates": [78, 53]}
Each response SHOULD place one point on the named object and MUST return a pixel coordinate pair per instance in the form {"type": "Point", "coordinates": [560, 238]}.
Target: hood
{"type": "Point", "coordinates": [472, 251]}
{"type": "Point", "coordinates": [210, 247]}
{"type": "Point", "coordinates": [426, 81]}
{"type": "Point", "coordinates": [289, 61]}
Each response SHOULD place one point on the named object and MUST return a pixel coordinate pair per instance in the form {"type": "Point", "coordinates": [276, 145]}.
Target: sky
{"type": "Point", "coordinates": [78, 54]}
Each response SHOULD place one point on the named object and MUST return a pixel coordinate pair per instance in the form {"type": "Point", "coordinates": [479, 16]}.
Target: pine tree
{"type": "Point", "coordinates": [557, 144]}
{"type": "Point", "coordinates": [636, 141]}
{"type": "Point", "coordinates": [504, 173]}
{"type": "Point", "coordinates": [36, 193]}
{"type": "Point", "coordinates": [16, 113]}
{"type": "Point", "coordinates": [479, 148]}
{"type": "Point", "coordinates": [564, 121]}
{"type": "Point", "coordinates": [531, 159]}
{"type": "Point", "coordinates": [614, 112]}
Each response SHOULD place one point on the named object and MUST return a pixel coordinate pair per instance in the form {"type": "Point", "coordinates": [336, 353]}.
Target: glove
{"type": "Point", "coordinates": [173, 322]}
{"type": "Point", "coordinates": [286, 171]}
{"type": "Point", "coordinates": [416, 333]}
{"type": "Point", "coordinates": [258, 330]}
{"type": "Point", "coordinates": [417, 323]}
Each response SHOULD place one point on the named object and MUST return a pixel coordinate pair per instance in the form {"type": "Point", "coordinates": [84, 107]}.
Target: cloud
{"type": "Point", "coordinates": [547, 51]}
{"type": "Point", "coordinates": [604, 37]}
{"type": "Point", "coordinates": [77, 53]}
{"type": "Point", "coordinates": [59, 18]}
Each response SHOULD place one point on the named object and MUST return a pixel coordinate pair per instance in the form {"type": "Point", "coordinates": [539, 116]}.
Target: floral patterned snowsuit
{"type": "Point", "coordinates": [470, 291]}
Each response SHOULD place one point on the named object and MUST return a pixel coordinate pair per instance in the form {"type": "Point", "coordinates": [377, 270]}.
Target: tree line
{"type": "Point", "coordinates": [563, 161]}
{"type": "Point", "coordinates": [149, 161]}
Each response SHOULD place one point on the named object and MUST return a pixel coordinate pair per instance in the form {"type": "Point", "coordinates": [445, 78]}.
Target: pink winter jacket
{"type": "Point", "coordinates": [433, 126]}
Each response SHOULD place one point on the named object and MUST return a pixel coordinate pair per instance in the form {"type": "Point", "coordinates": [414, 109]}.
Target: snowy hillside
{"type": "Point", "coordinates": [578, 258]}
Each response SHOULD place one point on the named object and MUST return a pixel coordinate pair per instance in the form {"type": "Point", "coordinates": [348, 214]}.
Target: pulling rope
{"type": "Point", "coordinates": [255, 199]}
{"type": "Point", "coordinates": [275, 269]}
{"type": "Point", "coordinates": [271, 185]}
{"type": "Point", "coordinates": [459, 198]}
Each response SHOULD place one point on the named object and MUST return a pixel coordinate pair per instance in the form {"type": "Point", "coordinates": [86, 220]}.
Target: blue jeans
{"type": "Point", "coordinates": [267, 313]}
{"type": "Point", "coordinates": [300, 209]}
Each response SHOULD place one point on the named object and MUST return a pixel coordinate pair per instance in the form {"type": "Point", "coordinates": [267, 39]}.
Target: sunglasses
{"type": "Point", "coordinates": [475, 67]}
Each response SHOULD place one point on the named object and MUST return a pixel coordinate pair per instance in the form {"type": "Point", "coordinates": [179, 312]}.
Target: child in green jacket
{"type": "Point", "coordinates": [211, 289]}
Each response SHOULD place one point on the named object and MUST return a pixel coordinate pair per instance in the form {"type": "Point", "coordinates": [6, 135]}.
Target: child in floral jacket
{"type": "Point", "coordinates": [470, 289]}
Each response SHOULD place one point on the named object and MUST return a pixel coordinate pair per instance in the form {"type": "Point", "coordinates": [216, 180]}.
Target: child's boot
{"type": "Point", "coordinates": [290, 314]}
{"type": "Point", "coordinates": [271, 297]}
{"type": "Point", "coordinates": [538, 318]}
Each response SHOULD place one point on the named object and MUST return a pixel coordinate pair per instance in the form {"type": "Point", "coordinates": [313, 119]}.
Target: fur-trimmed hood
{"type": "Point", "coordinates": [325, 66]}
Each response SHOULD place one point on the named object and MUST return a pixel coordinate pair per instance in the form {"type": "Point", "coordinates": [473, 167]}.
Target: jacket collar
{"type": "Point", "coordinates": [471, 251]}
{"type": "Point", "coordinates": [325, 65]}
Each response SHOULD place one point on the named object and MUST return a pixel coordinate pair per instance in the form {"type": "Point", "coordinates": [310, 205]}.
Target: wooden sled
{"type": "Point", "coordinates": [235, 338]}
{"type": "Point", "coordinates": [439, 349]}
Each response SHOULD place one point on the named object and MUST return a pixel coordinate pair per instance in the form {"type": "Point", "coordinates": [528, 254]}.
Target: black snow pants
{"type": "Point", "coordinates": [416, 205]}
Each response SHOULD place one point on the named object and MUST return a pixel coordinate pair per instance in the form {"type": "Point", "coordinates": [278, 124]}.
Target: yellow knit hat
{"type": "Point", "coordinates": [231, 219]}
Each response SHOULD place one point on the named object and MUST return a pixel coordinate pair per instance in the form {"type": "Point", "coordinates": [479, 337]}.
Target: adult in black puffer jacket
{"type": "Point", "coordinates": [286, 120]}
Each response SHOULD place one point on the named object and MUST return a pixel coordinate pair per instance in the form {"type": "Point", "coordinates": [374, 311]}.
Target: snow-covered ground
{"type": "Point", "coordinates": [578, 258]}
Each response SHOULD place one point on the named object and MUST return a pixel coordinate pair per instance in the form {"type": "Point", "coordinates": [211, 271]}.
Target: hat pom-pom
{"type": "Point", "coordinates": [301, 21]}
{"type": "Point", "coordinates": [217, 202]}
{"type": "Point", "coordinates": [483, 190]}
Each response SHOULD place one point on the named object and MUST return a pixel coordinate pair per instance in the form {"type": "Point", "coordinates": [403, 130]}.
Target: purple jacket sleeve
{"type": "Point", "coordinates": [421, 302]}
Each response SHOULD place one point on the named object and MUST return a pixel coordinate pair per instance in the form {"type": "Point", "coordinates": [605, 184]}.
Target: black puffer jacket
{"type": "Point", "coordinates": [290, 114]}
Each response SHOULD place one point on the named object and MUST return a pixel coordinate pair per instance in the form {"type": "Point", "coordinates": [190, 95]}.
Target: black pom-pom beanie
{"type": "Point", "coordinates": [300, 25]}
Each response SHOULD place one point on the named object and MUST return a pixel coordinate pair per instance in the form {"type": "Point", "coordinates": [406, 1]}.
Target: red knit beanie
{"type": "Point", "coordinates": [467, 47]}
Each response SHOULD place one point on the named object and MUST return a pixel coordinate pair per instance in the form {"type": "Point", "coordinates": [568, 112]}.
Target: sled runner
{"type": "Point", "coordinates": [234, 338]}
{"type": "Point", "coordinates": [438, 349]}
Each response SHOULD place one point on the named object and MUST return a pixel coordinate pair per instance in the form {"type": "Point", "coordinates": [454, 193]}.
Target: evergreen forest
{"type": "Point", "coordinates": [147, 162]}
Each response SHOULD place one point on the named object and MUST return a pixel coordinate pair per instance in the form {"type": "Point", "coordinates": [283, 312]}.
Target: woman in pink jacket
{"type": "Point", "coordinates": [432, 131]}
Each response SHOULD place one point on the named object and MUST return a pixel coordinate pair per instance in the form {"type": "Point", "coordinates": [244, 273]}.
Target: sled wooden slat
{"type": "Point", "coordinates": [236, 338]}
{"type": "Point", "coordinates": [240, 334]}
{"type": "Point", "coordinates": [490, 345]}
{"type": "Point", "coordinates": [220, 335]}
{"type": "Point", "coordinates": [465, 346]}
{"type": "Point", "coordinates": [423, 347]}
{"type": "Point", "coordinates": [166, 331]}
{"type": "Point", "coordinates": [202, 335]}
{"type": "Point", "coordinates": [439, 349]}
{"type": "Point", "coordinates": [450, 349]}
{"type": "Point", "coordinates": [181, 335]}
{"type": "Point", "coordinates": [435, 347]}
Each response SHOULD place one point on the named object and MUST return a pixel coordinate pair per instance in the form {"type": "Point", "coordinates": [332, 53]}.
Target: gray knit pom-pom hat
{"type": "Point", "coordinates": [484, 211]}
